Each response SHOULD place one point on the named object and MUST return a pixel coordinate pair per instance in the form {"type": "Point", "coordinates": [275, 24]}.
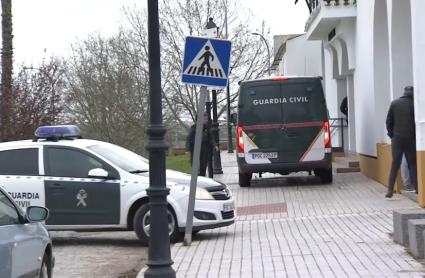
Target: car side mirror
{"type": "Point", "coordinates": [37, 214]}
{"type": "Point", "coordinates": [98, 173]}
{"type": "Point", "coordinates": [234, 118]}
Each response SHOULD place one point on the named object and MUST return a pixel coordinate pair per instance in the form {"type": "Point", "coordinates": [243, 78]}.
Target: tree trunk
{"type": "Point", "coordinates": [7, 69]}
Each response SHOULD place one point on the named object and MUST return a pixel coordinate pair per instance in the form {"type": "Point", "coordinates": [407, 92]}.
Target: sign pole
{"type": "Point", "coordinates": [206, 63]}
{"type": "Point", "coordinates": [195, 165]}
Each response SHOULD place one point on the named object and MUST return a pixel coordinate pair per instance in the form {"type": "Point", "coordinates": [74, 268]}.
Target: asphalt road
{"type": "Point", "coordinates": [97, 254]}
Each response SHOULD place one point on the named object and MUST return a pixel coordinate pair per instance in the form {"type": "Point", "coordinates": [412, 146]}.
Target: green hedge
{"type": "Point", "coordinates": [179, 163]}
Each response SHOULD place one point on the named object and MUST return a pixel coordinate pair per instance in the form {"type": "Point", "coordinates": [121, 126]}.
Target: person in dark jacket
{"type": "Point", "coordinates": [401, 129]}
{"type": "Point", "coordinates": [344, 107]}
{"type": "Point", "coordinates": [207, 145]}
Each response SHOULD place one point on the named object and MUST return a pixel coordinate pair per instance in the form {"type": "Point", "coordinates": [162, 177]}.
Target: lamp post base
{"type": "Point", "coordinates": [162, 272]}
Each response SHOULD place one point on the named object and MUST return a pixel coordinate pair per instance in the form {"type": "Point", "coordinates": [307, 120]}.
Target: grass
{"type": "Point", "coordinates": [179, 163]}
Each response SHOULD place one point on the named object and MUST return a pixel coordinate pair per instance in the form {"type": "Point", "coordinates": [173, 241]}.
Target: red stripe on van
{"type": "Point", "coordinates": [306, 124]}
{"type": "Point", "coordinates": [260, 127]}
{"type": "Point", "coordinates": [274, 126]}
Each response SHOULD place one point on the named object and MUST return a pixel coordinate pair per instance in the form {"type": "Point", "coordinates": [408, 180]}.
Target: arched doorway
{"type": "Point", "coordinates": [345, 88]}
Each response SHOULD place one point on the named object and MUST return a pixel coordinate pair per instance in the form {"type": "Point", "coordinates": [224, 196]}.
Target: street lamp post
{"type": "Point", "coordinates": [215, 130]}
{"type": "Point", "coordinates": [210, 151]}
{"type": "Point", "coordinates": [229, 125]}
{"type": "Point", "coordinates": [216, 133]}
{"type": "Point", "coordinates": [268, 49]}
{"type": "Point", "coordinates": [159, 260]}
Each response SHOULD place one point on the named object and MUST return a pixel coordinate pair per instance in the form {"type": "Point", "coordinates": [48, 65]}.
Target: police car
{"type": "Point", "coordinates": [95, 185]}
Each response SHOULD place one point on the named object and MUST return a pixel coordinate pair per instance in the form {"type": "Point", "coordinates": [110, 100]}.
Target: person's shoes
{"type": "Point", "coordinates": [389, 195]}
{"type": "Point", "coordinates": [409, 189]}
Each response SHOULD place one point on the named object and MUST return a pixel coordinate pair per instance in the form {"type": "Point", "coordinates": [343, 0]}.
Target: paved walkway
{"type": "Point", "coordinates": [296, 227]}
{"type": "Point", "coordinates": [97, 254]}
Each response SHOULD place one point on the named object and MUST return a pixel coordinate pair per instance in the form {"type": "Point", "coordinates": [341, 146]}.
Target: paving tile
{"type": "Point", "coordinates": [296, 227]}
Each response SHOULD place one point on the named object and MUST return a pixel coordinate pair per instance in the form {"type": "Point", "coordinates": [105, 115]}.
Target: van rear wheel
{"type": "Point", "coordinates": [245, 179]}
{"type": "Point", "coordinates": [325, 175]}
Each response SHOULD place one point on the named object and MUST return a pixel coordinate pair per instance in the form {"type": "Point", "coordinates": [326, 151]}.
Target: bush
{"type": "Point", "coordinates": [179, 163]}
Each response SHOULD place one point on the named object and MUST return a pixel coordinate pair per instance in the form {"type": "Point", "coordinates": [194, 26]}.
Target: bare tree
{"type": "Point", "coordinates": [38, 98]}
{"type": "Point", "coordinates": [184, 17]}
{"type": "Point", "coordinates": [107, 93]}
{"type": "Point", "coordinates": [7, 68]}
{"type": "Point", "coordinates": [108, 77]}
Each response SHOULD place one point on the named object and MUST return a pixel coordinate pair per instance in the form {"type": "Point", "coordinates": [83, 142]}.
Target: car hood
{"type": "Point", "coordinates": [183, 178]}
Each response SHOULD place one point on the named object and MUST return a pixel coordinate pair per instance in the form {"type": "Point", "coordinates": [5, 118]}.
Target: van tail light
{"type": "Point", "coordinates": [239, 143]}
{"type": "Point", "coordinates": [327, 134]}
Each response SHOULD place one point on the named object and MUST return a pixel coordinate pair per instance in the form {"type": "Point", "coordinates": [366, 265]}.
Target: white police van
{"type": "Point", "coordinates": [94, 185]}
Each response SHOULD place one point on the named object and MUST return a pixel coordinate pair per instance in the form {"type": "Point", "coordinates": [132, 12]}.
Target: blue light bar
{"type": "Point", "coordinates": [58, 131]}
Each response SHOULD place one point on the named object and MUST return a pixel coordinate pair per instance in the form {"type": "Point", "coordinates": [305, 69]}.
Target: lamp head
{"type": "Point", "coordinates": [211, 24]}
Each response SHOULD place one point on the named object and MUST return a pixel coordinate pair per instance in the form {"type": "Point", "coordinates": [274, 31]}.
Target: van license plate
{"type": "Point", "coordinates": [264, 155]}
{"type": "Point", "coordinates": [228, 207]}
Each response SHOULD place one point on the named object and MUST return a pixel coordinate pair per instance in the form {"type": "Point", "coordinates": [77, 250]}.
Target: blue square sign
{"type": "Point", "coordinates": [206, 61]}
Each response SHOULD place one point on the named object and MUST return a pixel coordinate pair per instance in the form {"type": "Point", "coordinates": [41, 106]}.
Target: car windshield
{"type": "Point", "coordinates": [123, 158]}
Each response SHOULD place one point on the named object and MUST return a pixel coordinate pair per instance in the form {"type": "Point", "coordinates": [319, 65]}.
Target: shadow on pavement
{"type": "Point", "coordinates": [94, 240]}
{"type": "Point", "coordinates": [213, 234]}
{"type": "Point", "coordinates": [286, 181]}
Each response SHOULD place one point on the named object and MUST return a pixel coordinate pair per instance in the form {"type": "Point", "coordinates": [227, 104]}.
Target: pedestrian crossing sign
{"type": "Point", "coordinates": [206, 61]}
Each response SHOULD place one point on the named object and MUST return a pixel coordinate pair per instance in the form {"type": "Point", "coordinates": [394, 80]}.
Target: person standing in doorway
{"type": "Point", "coordinates": [207, 145]}
{"type": "Point", "coordinates": [344, 108]}
{"type": "Point", "coordinates": [401, 129]}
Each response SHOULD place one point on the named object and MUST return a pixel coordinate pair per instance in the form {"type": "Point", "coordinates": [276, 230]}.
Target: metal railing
{"type": "Point", "coordinates": [316, 3]}
{"type": "Point", "coordinates": [337, 129]}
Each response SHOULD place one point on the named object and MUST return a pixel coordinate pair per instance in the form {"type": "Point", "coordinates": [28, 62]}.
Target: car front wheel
{"type": "Point", "coordinates": [46, 269]}
{"type": "Point", "coordinates": [142, 224]}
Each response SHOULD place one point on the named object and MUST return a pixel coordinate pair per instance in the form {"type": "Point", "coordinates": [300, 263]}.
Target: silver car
{"type": "Point", "coordinates": [25, 245]}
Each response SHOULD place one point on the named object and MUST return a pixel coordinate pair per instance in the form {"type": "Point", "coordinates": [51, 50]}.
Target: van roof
{"type": "Point", "coordinates": [281, 77]}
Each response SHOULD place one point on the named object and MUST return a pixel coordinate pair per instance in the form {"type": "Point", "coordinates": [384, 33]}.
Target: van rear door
{"type": "Point", "coordinates": [304, 113]}
{"type": "Point", "coordinates": [282, 121]}
{"type": "Point", "coordinates": [260, 120]}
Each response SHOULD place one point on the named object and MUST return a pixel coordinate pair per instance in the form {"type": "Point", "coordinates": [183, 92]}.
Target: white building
{"type": "Point", "coordinates": [372, 49]}
{"type": "Point", "coordinates": [297, 56]}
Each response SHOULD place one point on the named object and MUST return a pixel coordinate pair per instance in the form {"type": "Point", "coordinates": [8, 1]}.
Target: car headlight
{"type": "Point", "coordinates": [201, 193]}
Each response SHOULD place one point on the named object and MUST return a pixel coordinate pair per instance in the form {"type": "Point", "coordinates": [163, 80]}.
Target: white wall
{"type": "Point", "coordinates": [363, 80]}
{"type": "Point", "coordinates": [400, 46]}
{"type": "Point", "coordinates": [332, 98]}
{"type": "Point", "coordinates": [418, 44]}
{"type": "Point", "coordinates": [382, 76]}
{"type": "Point", "coordinates": [303, 57]}
{"type": "Point", "coordinates": [379, 73]}
{"type": "Point", "coordinates": [347, 31]}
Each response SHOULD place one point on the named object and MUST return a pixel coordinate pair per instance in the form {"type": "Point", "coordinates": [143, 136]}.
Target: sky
{"type": "Point", "coordinates": [43, 28]}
